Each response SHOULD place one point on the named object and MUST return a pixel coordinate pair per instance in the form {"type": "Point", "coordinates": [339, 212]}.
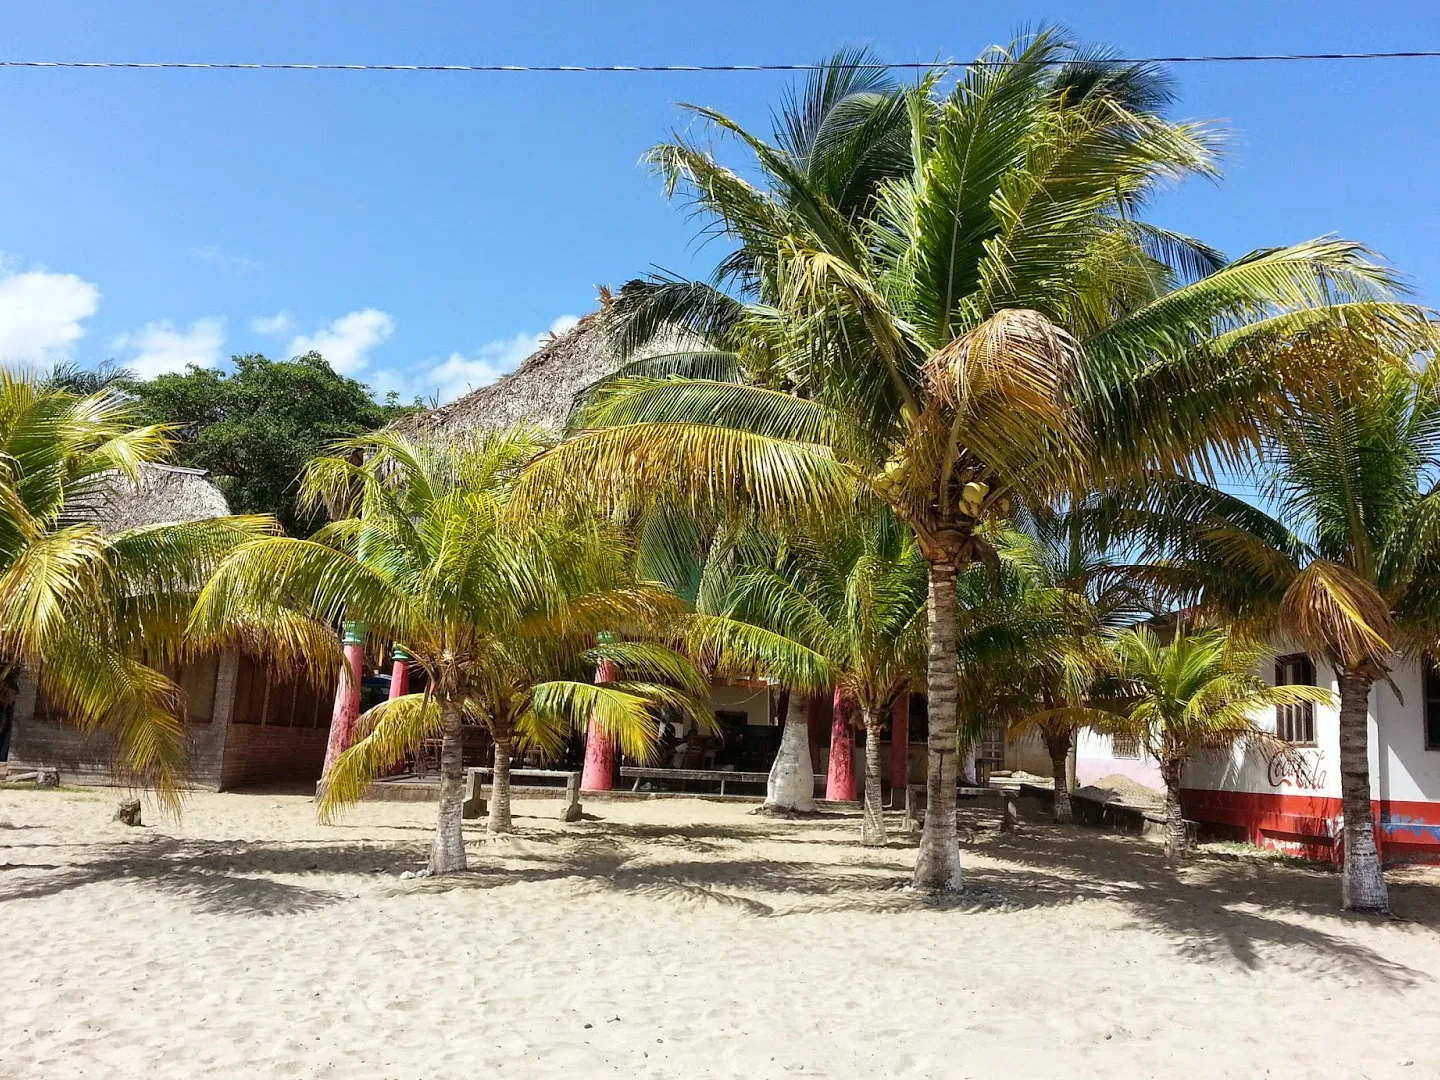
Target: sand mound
{"type": "Point", "coordinates": [1118, 788]}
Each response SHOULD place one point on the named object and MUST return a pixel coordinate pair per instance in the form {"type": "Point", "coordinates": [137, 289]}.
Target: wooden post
{"type": "Point", "coordinates": [399, 673]}
{"type": "Point", "coordinates": [347, 697]}
{"type": "Point", "coordinates": [599, 772]}
{"type": "Point", "coordinates": [900, 745]}
{"type": "Point", "coordinates": [840, 779]}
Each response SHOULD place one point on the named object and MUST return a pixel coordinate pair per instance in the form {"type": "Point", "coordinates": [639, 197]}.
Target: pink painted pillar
{"type": "Point", "coordinates": [400, 674]}
{"type": "Point", "coordinates": [347, 697]}
{"type": "Point", "coordinates": [900, 743]}
{"type": "Point", "coordinates": [599, 774]}
{"type": "Point", "coordinates": [840, 780]}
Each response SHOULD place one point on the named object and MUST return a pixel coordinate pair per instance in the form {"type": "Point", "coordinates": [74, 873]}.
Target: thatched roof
{"type": "Point", "coordinates": [165, 493]}
{"type": "Point", "coordinates": [541, 391]}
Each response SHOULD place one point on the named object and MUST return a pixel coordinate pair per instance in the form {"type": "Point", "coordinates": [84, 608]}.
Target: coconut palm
{"type": "Point", "coordinates": [1033, 635]}
{"type": "Point", "coordinates": [90, 614]}
{"type": "Point", "coordinates": [845, 605]}
{"type": "Point", "coordinates": [1199, 691]}
{"type": "Point", "coordinates": [422, 551]}
{"type": "Point", "coordinates": [1347, 561]}
{"type": "Point", "coordinates": [1002, 325]}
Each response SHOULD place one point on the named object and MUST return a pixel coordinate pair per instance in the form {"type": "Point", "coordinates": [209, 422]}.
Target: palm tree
{"type": "Point", "coordinates": [1198, 692]}
{"type": "Point", "coordinates": [81, 381]}
{"type": "Point", "coordinates": [1033, 636]}
{"type": "Point", "coordinates": [848, 604]}
{"type": "Point", "coordinates": [1348, 562]}
{"type": "Point", "coordinates": [702, 559]}
{"type": "Point", "coordinates": [1000, 326]}
{"type": "Point", "coordinates": [93, 615]}
{"type": "Point", "coordinates": [424, 551]}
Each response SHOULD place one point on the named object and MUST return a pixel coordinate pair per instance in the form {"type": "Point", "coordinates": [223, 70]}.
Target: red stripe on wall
{"type": "Point", "coordinates": [1405, 831]}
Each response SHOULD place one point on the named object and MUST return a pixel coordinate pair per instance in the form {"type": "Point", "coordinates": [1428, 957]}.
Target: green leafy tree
{"type": "Point", "coordinates": [255, 427]}
{"type": "Point", "coordinates": [1346, 561]}
{"type": "Point", "coordinates": [91, 614]}
{"type": "Point", "coordinates": [1001, 325]}
{"type": "Point", "coordinates": [424, 551]}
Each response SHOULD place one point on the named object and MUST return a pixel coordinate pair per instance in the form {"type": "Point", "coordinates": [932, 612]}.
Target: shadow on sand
{"type": "Point", "coordinates": [1213, 910]}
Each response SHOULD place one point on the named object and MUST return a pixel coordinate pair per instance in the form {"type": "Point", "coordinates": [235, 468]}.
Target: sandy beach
{"type": "Point", "coordinates": [679, 938]}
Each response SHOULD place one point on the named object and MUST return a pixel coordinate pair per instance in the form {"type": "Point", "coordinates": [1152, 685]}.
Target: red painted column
{"type": "Point", "coordinates": [347, 697]}
{"type": "Point", "coordinates": [599, 774]}
{"type": "Point", "coordinates": [400, 674]}
{"type": "Point", "coordinates": [900, 743]}
{"type": "Point", "coordinates": [840, 780]}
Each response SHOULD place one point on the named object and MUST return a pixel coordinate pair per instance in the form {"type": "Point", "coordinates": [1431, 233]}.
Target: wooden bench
{"type": "Point", "coordinates": [478, 789]}
{"type": "Point", "coordinates": [639, 773]}
{"type": "Point", "coordinates": [712, 776]}
{"type": "Point", "coordinates": [1009, 812]}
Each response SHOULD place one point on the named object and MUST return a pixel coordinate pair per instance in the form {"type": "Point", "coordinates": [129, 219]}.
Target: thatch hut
{"type": "Point", "coordinates": [245, 725]}
{"type": "Point", "coordinates": [541, 391]}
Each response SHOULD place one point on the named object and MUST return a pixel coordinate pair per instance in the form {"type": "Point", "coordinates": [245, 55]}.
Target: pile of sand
{"type": "Point", "coordinates": [1122, 789]}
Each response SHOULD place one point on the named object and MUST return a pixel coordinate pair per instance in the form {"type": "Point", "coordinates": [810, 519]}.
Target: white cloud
{"type": "Point", "coordinates": [277, 325]}
{"type": "Point", "coordinates": [346, 342]}
{"type": "Point", "coordinates": [231, 264]}
{"type": "Point", "coordinates": [41, 313]}
{"type": "Point", "coordinates": [161, 348]}
{"type": "Point", "coordinates": [458, 373]}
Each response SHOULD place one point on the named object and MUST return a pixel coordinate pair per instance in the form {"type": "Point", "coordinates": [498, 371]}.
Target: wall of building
{"type": "Point", "coordinates": [754, 702]}
{"type": "Point", "coordinates": [1290, 799]}
{"type": "Point", "coordinates": [87, 757]}
{"type": "Point", "coordinates": [1095, 759]}
{"type": "Point", "coordinates": [278, 732]}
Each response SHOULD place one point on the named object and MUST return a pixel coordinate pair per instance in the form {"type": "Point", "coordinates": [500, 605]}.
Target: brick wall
{"type": "Point", "coordinates": [256, 754]}
{"type": "Point", "coordinates": [277, 732]}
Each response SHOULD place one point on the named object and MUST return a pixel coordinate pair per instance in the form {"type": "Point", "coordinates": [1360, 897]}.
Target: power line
{"type": "Point", "coordinates": [682, 68]}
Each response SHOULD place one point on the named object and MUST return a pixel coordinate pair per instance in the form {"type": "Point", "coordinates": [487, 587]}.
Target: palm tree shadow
{"type": "Point", "coordinates": [1210, 909]}
{"type": "Point", "coordinates": [226, 878]}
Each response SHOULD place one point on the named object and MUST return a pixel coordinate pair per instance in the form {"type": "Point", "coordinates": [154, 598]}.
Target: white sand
{"type": "Point", "coordinates": [677, 939]}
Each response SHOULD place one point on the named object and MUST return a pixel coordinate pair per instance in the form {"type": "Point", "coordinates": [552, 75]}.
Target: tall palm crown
{"type": "Point", "coordinates": [1348, 564]}
{"type": "Point", "coordinates": [424, 551]}
{"type": "Point", "coordinates": [1347, 559]}
{"type": "Point", "coordinates": [89, 613]}
{"type": "Point", "coordinates": [998, 324]}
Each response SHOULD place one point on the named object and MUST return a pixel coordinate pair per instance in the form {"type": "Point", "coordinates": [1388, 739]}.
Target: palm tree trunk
{"type": "Point", "coordinates": [872, 828]}
{"type": "Point", "coordinates": [1177, 837]}
{"type": "Point", "coordinates": [499, 819]}
{"type": "Point", "coordinates": [447, 855]}
{"type": "Point", "coordinates": [938, 864]}
{"type": "Point", "coordinates": [1059, 769]}
{"type": "Point", "coordinates": [791, 785]}
{"type": "Point", "coordinates": [1362, 880]}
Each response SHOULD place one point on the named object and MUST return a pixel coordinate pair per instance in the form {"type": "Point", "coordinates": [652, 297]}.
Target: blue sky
{"type": "Point", "coordinates": [422, 230]}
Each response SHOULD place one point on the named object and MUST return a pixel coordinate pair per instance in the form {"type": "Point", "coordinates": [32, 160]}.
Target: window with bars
{"type": "Point", "coordinates": [1295, 723]}
{"type": "Point", "coordinates": [1125, 746]}
{"type": "Point", "coordinates": [1432, 703]}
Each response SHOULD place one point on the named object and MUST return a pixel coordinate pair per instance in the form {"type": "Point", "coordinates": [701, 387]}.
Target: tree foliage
{"type": "Point", "coordinates": [94, 615]}
{"type": "Point", "coordinates": [255, 427]}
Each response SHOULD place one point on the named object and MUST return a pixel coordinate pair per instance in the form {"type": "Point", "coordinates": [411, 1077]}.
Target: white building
{"type": "Point", "coordinates": [1289, 798]}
